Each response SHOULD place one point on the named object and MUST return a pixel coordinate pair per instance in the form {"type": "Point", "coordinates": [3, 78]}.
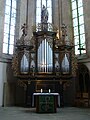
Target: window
{"type": "Point", "coordinates": [78, 24]}
{"type": "Point", "coordinates": [9, 26]}
{"type": "Point", "coordinates": [48, 5]}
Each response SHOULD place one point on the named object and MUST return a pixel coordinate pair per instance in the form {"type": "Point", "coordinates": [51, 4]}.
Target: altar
{"type": "Point", "coordinates": [46, 102]}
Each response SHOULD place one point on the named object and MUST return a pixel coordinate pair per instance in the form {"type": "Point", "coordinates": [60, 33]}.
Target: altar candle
{"type": "Point", "coordinates": [41, 90]}
{"type": "Point", "coordinates": [49, 90]}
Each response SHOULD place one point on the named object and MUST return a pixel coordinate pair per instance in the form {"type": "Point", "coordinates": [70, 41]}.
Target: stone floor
{"type": "Point", "coordinates": [66, 113]}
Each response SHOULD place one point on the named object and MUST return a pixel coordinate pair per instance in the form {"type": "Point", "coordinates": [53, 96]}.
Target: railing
{"type": "Point", "coordinates": [44, 27]}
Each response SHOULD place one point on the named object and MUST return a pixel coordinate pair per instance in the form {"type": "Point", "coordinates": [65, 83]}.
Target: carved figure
{"type": "Point", "coordinates": [44, 14]}
{"type": "Point", "coordinates": [24, 29]}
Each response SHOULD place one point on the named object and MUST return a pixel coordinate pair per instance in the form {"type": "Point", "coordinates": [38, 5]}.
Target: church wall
{"type": "Point", "coordinates": [5, 73]}
{"type": "Point", "coordinates": [1, 84]}
{"type": "Point", "coordinates": [31, 16]}
{"type": "Point", "coordinates": [87, 25]}
{"type": "Point", "coordinates": [7, 85]}
{"type": "Point", "coordinates": [86, 59]}
{"type": "Point", "coordinates": [10, 86]}
{"type": "Point", "coordinates": [9, 94]}
{"type": "Point", "coordinates": [22, 7]}
{"type": "Point", "coordinates": [22, 17]}
{"type": "Point", "coordinates": [55, 16]}
{"type": "Point", "coordinates": [1, 24]}
{"type": "Point", "coordinates": [18, 27]}
{"type": "Point", "coordinates": [86, 9]}
{"type": "Point", "coordinates": [65, 16]}
{"type": "Point", "coordinates": [2, 77]}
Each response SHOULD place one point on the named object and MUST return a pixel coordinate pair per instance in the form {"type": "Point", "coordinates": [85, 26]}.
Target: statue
{"type": "Point", "coordinates": [64, 30]}
{"type": "Point", "coordinates": [24, 29]}
{"type": "Point", "coordinates": [44, 14]}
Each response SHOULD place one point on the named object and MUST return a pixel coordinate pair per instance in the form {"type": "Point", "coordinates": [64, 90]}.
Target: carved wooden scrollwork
{"type": "Point", "coordinates": [22, 84]}
{"type": "Point", "coordinates": [74, 64]}
{"type": "Point", "coordinates": [15, 64]}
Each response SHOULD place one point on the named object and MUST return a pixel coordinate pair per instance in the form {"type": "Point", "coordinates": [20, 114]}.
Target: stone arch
{"type": "Point", "coordinates": [83, 74]}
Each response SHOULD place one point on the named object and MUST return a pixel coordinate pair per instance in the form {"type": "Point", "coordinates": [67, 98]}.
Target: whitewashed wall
{"type": "Point", "coordinates": [1, 84]}
{"type": "Point", "coordinates": [1, 37]}
{"type": "Point", "coordinates": [3, 80]}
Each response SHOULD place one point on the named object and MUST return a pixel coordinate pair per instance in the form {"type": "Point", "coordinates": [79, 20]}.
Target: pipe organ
{"type": "Point", "coordinates": [45, 61]}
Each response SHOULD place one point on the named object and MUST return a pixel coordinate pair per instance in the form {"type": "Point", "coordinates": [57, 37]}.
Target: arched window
{"type": "Point", "coordinates": [78, 25]}
{"type": "Point", "coordinates": [39, 5]}
{"type": "Point", "coordinates": [9, 26]}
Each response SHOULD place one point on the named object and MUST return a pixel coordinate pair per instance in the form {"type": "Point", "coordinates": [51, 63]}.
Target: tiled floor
{"type": "Point", "coordinates": [67, 113]}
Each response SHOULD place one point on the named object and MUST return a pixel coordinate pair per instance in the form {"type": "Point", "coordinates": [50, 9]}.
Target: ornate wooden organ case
{"type": "Point", "coordinates": [44, 61]}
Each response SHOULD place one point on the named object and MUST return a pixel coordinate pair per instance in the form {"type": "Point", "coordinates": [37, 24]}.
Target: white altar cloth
{"type": "Point", "coordinates": [34, 94]}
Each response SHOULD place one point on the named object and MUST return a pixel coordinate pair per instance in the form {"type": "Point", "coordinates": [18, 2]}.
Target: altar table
{"type": "Point", "coordinates": [46, 102]}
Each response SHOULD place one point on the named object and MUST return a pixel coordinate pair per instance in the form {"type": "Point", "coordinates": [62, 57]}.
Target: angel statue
{"type": "Point", "coordinates": [24, 29]}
